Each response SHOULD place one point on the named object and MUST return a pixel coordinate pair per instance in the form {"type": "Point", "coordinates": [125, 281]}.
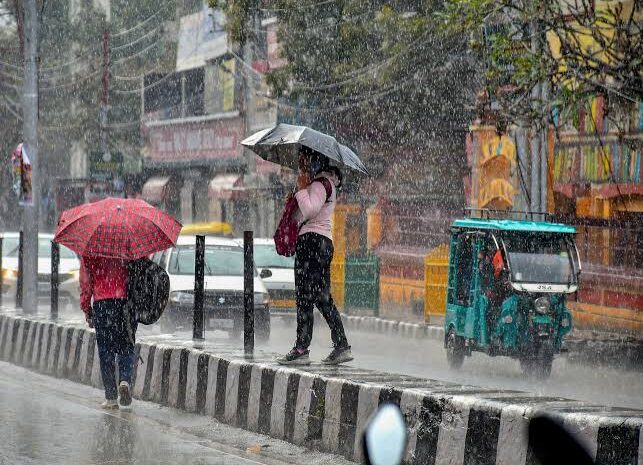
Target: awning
{"type": "Point", "coordinates": [154, 189]}
{"type": "Point", "coordinates": [224, 186]}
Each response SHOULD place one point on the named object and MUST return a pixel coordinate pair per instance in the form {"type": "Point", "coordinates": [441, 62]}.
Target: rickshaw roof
{"type": "Point", "coordinates": [513, 225]}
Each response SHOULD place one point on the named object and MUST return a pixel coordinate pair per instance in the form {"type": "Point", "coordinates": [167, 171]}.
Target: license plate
{"type": "Point", "coordinates": [220, 323]}
{"type": "Point", "coordinates": [283, 303]}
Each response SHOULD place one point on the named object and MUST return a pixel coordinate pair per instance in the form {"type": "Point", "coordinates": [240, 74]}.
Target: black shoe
{"type": "Point", "coordinates": [295, 357]}
{"type": "Point", "coordinates": [124, 393]}
{"type": "Point", "coordinates": [340, 354]}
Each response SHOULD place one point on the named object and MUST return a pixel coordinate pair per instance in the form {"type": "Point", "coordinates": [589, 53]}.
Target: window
{"type": "Point", "coordinates": [460, 293]}
{"type": "Point", "coordinates": [266, 256]}
{"type": "Point", "coordinates": [219, 261]}
{"type": "Point", "coordinates": [540, 258]}
{"type": "Point", "coordinates": [10, 248]}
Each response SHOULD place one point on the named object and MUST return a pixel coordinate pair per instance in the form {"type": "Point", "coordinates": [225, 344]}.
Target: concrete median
{"type": "Point", "coordinates": [327, 408]}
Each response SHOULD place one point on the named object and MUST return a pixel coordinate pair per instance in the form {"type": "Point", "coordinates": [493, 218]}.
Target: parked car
{"type": "Point", "coordinates": [223, 303]}
{"type": "Point", "coordinates": [68, 270]}
{"type": "Point", "coordinates": [281, 283]}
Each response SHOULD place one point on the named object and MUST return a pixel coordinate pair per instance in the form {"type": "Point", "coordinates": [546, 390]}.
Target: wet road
{"type": "Point", "coordinates": [49, 421]}
{"type": "Point", "coordinates": [427, 359]}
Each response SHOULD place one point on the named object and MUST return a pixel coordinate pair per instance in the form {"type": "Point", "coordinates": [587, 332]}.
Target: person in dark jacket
{"type": "Point", "coordinates": [313, 258]}
{"type": "Point", "coordinates": [103, 294]}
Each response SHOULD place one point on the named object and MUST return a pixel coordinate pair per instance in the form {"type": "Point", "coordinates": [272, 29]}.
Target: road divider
{"type": "Point", "coordinates": [327, 408]}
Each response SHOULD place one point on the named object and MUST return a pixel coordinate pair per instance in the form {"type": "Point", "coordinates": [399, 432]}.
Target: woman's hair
{"type": "Point", "coordinates": [318, 163]}
{"type": "Point", "coordinates": [337, 172]}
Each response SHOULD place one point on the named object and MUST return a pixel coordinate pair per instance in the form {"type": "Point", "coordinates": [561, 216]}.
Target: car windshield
{"type": "Point", "coordinates": [10, 248]}
{"type": "Point", "coordinates": [219, 261]}
{"type": "Point", "coordinates": [266, 256]}
{"type": "Point", "coordinates": [539, 258]}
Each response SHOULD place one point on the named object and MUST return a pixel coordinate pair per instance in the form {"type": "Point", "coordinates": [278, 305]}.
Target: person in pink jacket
{"type": "Point", "coordinates": [316, 199]}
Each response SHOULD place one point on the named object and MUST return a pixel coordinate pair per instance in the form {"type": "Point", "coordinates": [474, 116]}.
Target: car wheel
{"type": "Point", "coordinates": [262, 326]}
{"type": "Point", "coordinates": [537, 364]}
{"type": "Point", "coordinates": [237, 330]}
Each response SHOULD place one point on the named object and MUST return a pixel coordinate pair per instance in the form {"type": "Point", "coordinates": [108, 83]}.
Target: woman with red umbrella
{"type": "Point", "coordinates": [107, 235]}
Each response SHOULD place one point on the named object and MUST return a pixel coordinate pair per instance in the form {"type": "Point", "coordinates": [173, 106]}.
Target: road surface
{"type": "Point", "coordinates": [50, 421]}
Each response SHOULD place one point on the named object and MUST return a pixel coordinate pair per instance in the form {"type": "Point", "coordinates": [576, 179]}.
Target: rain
{"type": "Point", "coordinates": [330, 231]}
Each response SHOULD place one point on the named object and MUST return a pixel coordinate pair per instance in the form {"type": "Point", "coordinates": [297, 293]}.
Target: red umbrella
{"type": "Point", "coordinates": [117, 228]}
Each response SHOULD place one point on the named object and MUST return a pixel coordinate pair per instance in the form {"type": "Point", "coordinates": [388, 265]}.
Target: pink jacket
{"type": "Point", "coordinates": [314, 209]}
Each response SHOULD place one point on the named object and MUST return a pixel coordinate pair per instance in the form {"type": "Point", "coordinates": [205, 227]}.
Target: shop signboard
{"type": "Point", "coordinates": [106, 174]}
{"type": "Point", "coordinates": [205, 142]}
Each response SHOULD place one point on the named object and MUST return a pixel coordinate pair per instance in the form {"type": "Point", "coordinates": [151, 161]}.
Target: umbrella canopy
{"type": "Point", "coordinates": [281, 145]}
{"type": "Point", "coordinates": [117, 228]}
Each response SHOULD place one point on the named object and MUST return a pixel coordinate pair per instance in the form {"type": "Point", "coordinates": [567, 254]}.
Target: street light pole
{"type": "Point", "coordinates": [30, 138]}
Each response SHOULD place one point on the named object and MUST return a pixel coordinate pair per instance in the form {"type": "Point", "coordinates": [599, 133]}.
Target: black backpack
{"type": "Point", "coordinates": [148, 290]}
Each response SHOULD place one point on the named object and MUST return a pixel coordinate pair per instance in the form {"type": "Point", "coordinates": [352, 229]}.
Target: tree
{"type": "Point", "coordinates": [577, 49]}
{"type": "Point", "coordinates": [383, 78]}
{"type": "Point", "coordinates": [71, 72]}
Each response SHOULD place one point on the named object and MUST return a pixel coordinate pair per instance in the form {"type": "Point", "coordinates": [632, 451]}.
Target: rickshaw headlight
{"type": "Point", "coordinates": [508, 319]}
{"type": "Point", "coordinates": [542, 305]}
{"type": "Point", "coordinates": [564, 323]}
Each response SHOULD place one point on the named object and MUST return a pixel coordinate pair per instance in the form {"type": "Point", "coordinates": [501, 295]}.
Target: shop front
{"type": "Point", "coordinates": [190, 160]}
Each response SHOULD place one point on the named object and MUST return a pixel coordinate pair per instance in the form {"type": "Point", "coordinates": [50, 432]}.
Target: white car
{"type": "Point", "coordinates": [223, 303]}
{"type": "Point", "coordinates": [68, 269]}
{"type": "Point", "coordinates": [281, 283]}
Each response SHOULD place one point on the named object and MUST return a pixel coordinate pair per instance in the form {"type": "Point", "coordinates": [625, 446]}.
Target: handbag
{"type": "Point", "coordinates": [287, 230]}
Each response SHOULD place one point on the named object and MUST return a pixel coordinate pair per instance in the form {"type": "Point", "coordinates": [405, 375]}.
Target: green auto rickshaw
{"type": "Point", "coordinates": [507, 288]}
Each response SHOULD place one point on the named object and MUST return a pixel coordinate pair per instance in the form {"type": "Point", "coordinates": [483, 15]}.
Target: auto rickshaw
{"type": "Point", "coordinates": [507, 288]}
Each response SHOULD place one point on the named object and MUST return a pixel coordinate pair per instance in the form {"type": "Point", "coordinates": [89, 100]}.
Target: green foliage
{"type": "Point", "coordinates": [379, 75]}
{"type": "Point", "coordinates": [514, 39]}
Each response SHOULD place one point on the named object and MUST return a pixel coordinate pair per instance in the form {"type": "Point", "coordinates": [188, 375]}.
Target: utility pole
{"type": "Point", "coordinates": [249, 112]}
{"type": "Point", "coordinates": [536, 138]}
{"type": "Point", "coordinates": [30, 135]}
{"type": "Point", "coordinates": [544, 149]}
{"type": "Point", "coordinates": [104, 100]}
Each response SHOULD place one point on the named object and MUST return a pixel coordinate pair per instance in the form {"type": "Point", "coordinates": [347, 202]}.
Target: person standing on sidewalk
{"type": "Point", "coordinates": [103, 294]}
{"type": "Point", "coordinates": [316, 201]}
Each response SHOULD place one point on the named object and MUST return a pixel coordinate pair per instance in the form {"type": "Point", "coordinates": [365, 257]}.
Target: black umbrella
{"type": "Point", "coordinates": [281, 145]}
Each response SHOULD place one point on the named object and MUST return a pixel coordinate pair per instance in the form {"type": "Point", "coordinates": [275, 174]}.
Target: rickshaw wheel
{"type": "Point", "coordinates": [455, 349]}
{"type": "Point", "coordinates": [539, 366]}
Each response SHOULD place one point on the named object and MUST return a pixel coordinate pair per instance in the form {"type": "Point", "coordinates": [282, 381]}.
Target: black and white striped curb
{"type": "Point", "coordinates": [393, 328]}
{"type": "Point", "coordinates": [327, 408]}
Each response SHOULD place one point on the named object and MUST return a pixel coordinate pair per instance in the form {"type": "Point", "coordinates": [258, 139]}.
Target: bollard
{"type": "Point", "coordinates": [19, 278]}
{"type": "Point", "coordinates": [248, 293]}
{"type": "Point", "coordinates": [199, 283]}
{"type": "Point", "coordinates": [55, 262]}
{"type": "Point", "coordinates": [1, 273]}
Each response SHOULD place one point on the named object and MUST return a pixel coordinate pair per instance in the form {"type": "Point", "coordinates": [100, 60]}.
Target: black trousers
{"type": "Point", "coordinates": [312, 283]}
{"type": "Point", "coordinates": [115, 338]}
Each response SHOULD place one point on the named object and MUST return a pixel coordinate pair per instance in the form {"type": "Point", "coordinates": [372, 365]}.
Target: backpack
{"type": "Point", "coordinates": [288, 230]}
{"type": "Point", "coordinates": [148, 290]}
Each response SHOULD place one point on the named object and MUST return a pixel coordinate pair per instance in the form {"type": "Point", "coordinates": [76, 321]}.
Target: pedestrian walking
{"type": "Point", "coordinates": [110, 235]}
{"type": "Point", "coordinates": [316, 198]}
{"type": "Point", "coordinates": [103, 295]}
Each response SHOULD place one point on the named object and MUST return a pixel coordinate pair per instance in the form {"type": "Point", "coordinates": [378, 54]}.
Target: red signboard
{"type": "Point", "coordinates": [180, 142]}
